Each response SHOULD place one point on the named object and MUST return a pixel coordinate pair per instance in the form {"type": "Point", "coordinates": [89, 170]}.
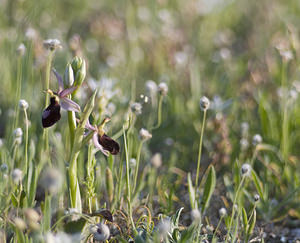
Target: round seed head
{"type": "Point", "coordinates": [3, 168]}
{"type": "Point", "coordinates": [246, 169]}
{"type": "Point", "coordinates": [257, 139]}
{"type": "Point", "coordinates": [151, 87]}
{"type": "Point", "coordinates": [52, 44]}
{"type": "Point", "coordinates": [145, 134]}
{"type": "Point", "coordinates": [136, 108]}
{"type": "Point", "coordinates": [18, 132]}
{"type": "Point", "coordinates": [156, 160]}
{"type": "Point", "coordinates": [163, 89]}
{"type": "Point", "coordinates": [17, 175]}
{"type": "Point", "coordinates": [100, 232]}
{"type": "Point", "coordinates": [204, 103]}
{"type": "Point", "coordinates": [23, 104]}
{"type": "Point", "coordinates": [256, 197]}
{"type": "Point", "coordinates": [222, 212]}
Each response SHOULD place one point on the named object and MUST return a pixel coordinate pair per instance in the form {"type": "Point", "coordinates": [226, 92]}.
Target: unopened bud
{"type": "Point", "coordinates": [68, 76]}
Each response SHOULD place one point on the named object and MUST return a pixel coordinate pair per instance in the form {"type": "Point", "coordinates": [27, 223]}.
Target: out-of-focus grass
{"type": "Point", "coordinates": [243, 55]}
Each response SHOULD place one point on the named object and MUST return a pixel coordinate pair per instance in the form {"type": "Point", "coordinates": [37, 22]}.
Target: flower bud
{"type": "Point", "coordinates": [79, 69]}
{"type": "Point", "coordinates": [76, 63]}
{"type": "Point", "coordinates": [68, 76]}
{"type": "Point", "coordinates": [23, 104]}
{"type": "Point", "coordinates": [204, 103]}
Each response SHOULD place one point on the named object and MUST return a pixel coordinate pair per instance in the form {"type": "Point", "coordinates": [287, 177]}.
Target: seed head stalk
{"type": "Point", "coordinates": [137, 164]}
{"type": "Point", "coordinates": [200, 153]}
{"type": "Point", "coordinates": [128, 182]}
{"type": "Point", "coordinates": [18, 91]}
{"type": "Point", "coordinates": [159, 112]}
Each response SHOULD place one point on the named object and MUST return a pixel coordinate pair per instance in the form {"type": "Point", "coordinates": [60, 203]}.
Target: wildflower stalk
{"type": "Point", "coordinates": [137, 164]}
{"type": "Point", "coordinates": [26, 152]}
{"type": "Point", "coordinates": [128, 181]}
{"type": "Point", "coordinates": [233, 208]}
{"type": "Point", "coordinates": [72, 126]}
{"type": "Point", "coordinates": [159, 112]}
{"type": "Point", "coordinates": [214, 235]}
{"type": "Point", "coordinates": [75, 199]}
{"type": "Point", "coordinates": [200, 152]}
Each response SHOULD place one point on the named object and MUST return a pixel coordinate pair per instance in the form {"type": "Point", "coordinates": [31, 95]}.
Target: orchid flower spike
{"type": "Point", "coordinates": [58, 99]}
{"type": "Point", "coordinates": [101, 141]}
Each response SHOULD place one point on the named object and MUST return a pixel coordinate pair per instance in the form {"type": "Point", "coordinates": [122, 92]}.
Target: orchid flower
{"type": "Point", "coordinates": [101, 141]}
{"type": "Point", "coordinates": [58, 99]}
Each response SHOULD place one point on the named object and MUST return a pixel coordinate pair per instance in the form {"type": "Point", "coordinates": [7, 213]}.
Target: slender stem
{"type": "Point", "coordinates": [217, 228]}
{"type": "Point", "coordinates": [26, 152]}
{"type": "Point", "coordinates": [137, 164]}
{"type": "Point", "coordinates": [72, 126]}
{"type": "Point", "coordinates": [128, 182]}
{"type": "Point", "coordinates": [159, 112]}
{"type": "Point", "coordinates": [18, 91]}
{"type": "Point", "coordinates": [199, 153]}
{"type": "Point", "coordinates": [73, 179]}
{"type": "Point", "coordinates": [233, 208]}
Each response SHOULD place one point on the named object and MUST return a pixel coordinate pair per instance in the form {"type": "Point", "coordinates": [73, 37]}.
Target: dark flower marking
{"type": "Point", "coordinates": [51, 114]}
{"type": "Point", "coordinates": [109, 144]}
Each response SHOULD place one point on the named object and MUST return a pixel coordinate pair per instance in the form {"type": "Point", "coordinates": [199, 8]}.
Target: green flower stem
{"type": "Point", "coordinates": [159, 112]}
{"type": "Point", "coordinates": [233, 207]}
{"type": "Point", "coordinates": [128, 182]}
{"type": "Point", "coordinates": [72, 126]}
{"type": "Point", "coordinates": [137, 164]}
{"type": "Point", "coordinates": [199, 153]}
{"type": "Point", "coordinates": [215, 231]}
{"type": "Point", "coordinates": [27, 169]}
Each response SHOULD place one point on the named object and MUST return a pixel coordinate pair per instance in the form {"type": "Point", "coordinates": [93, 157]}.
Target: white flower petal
{"type": "Point", "coordinates": [98, 145]}
{"type": "Point", "coordinates": [69, 105]}
{"type": "Point", "coordinates": [59, 80]}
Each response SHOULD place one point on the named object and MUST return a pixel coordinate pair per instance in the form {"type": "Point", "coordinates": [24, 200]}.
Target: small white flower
{"type": "Point", "coordinates": [163, 89]}
{"type": "Point", "coordinates": [204, 103]}
{"type": "Point", "coordinates": [222, 212]}
{"type": "Point", "coordinates": [52, 44]}
{"type": "Point", "coordinates": [256, 197]}
{"type": "Point", "coordinates": [257, 139]}
{"type": "Point", "coordinates": [18, 132]}
{"type": "Point", "coordinates": [164, 227]}
{"type": "Point", "coordinates": [246, 169]}
{"type": "Point", "coordinates": [17, 175]}
{"type": "Point", "coordinates": [151, 87]}
{"type": "Point", "coordinates": [23, 104]}
{"type": "Point", "coordinates": [136, 108]}
{"type": "Point", "coordinates": [100, 232]}
{"type": "Point", "coordinates": [145, 134]}
{"type": "Point", "coordinates": [132, 162]}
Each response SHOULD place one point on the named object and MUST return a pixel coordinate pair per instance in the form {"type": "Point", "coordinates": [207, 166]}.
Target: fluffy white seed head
{"type": "Point", "coordinates": [52, 44]}
{"type": "Point", "coordinates": [151, 87]}
{"type": "Point", "coordinates": [145, 134]}
{"type": "Point", "coordinates": [204, 103]}
{"type": "Point", "coordinates": [18, 132]}
{"type": "Point", "coordinates": [195, 214]}
{"type": "Point", "coordinates": [23, 104]}
{"type": "Point", "coordinates": [257, 139]}
{"type": "Point", "coordinates": [136, 108]}
{"type": "Point", "coordinates": [163, 89]}
{"type": "Point", "coordinates": [21, 50]}
{"type": "Point", "coordinates": [222, 212]}
{"type": "Point", "coordinates": [256, 197]}
{"type": "Point", "coordinates": [246, 169]}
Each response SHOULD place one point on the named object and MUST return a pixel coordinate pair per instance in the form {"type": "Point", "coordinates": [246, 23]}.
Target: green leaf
{"type": "Point", "coordinates": [245, 218]}
{"type": "Point", "coordinates": [73, 227]}
{"type": "Point", "coordinates": [14, 200]}
{"type": "Point", "coordinates": [258, 184]}
{"type": "Point", "coordinates": [175, 218]}
{"type": "Point", "coordinates": [47, 214]}
{"type": "Point", "coordinates": [208, 188]}
{"type": "Point", "coordinates": [252, 224]}
{"type": "Point", "coordinates": [191, 191]}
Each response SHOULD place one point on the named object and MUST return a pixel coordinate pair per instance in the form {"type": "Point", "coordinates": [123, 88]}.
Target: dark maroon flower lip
{"type": "Point", "coordinates": [51, 114]}
{"type": "Point", "coordinates": [109, 144]}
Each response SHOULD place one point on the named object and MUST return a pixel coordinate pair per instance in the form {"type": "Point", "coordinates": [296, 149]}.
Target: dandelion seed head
{"type": "Point", "coordinates": [17, 175]}
{"type": "Point", "coordinates": [23, 104]}
{"type": "Point", "coordinates": [21, 50]}
{"type": "Point", "coordinates": [195, 214]}
{"type": "Point", "coordinates": [256, 197]}
{"type": "Point", "coordinates": [164, 227]}
{"type": "Point", "coordinates": [222, 212]}
{"type": "Point", "coordinates": [145, 134]}
{"type": "Point", "coordinates": [151, 87]}
{"type": "Point", "coordinates": [246, 169]}
{"type": "Point", "coordinates": [204, 103]}
{"type": "Point", "coordinates": [163, 88]}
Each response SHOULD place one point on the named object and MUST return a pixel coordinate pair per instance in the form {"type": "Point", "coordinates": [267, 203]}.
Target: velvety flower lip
{"type": "Point", "coordinates": [101, 141]}
{"type": "Point", "coordinates": [58, 99]}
